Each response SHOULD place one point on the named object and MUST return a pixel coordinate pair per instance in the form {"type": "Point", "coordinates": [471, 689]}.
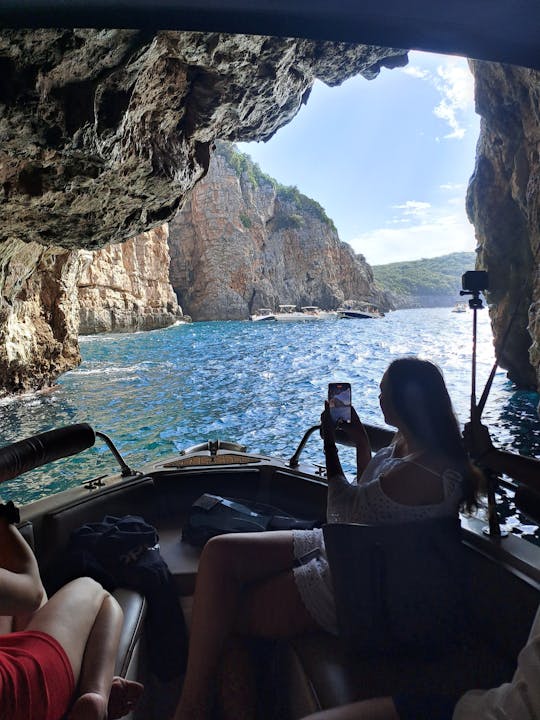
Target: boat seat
{"type": "Point", "coordinates": [321, 673]}
{"type": "Point", "coordinates": [27, 531]}
{"type": "Point", "coordinates": [399, 587]}
{"type": "Point", "coordinates": [128, 660]}
{"type": "Point", "coordinates": [318, 671]}
{"type": "Point", "coordinates": [131, 658]}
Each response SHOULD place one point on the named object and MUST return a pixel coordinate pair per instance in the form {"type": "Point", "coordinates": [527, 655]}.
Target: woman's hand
{"type": "Point", "coordinates": [352, 434]}
{"type": "Point", "coordinates": [477, 440]}
{"type": "Point", "coordinates": [328, 430]}
{"type": "Point", "coordinates": [333, 464]}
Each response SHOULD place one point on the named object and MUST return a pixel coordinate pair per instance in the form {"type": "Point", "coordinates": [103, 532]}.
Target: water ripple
{"type": "Point", "coordinates": [262, 384]}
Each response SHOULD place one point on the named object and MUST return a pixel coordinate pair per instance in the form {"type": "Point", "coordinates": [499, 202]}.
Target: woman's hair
{"type": "Point", "coordinates": [420, 399]}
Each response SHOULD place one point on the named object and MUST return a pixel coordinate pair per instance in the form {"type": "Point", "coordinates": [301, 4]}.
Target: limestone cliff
{"type": "Point", "coordinates": [38, 315]}
{"type": "Point", "coordinates": [503, 202]}
{"type": "Point", "coordinates": [242, 242]}
{"type": "Point", "coordinates": [104, 132]}
{"type": "Point", "coordinates": [125, 287]}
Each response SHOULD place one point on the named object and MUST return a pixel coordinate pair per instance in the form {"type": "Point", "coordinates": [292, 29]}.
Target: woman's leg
{"type": "Point", "coordinates": [245, 583]}
{"type": "Point", "coordinates": [86, 620]}
{"type": "Point", "coordinates": [100, 695]}
{"type": "Point", "coordinates": [376, 709]}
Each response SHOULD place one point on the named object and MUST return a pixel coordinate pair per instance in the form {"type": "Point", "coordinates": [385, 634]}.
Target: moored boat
{"type": "Point", "coordinates": [360, 311]}
{"type": "Point", "coordinates": [290, 313]}
{"type": "Point", "coordinates": [263, 315]}
{"type": "Point", "coordinates": [318, 313]}
{"type": "Point", "coordinates": [306, 312]}
{"type": "Point", "coordinates": [460, 307]}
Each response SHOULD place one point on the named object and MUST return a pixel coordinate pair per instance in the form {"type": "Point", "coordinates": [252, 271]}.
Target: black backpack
{"type": "Point", "coordinates": [212, 515]}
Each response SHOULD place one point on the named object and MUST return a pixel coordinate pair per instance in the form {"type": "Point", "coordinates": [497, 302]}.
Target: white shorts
{"type": "Point", "coordinates": [312, 577]}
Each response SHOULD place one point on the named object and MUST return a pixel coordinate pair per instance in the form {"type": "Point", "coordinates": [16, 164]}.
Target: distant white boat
{"type": "Point", "coordinates": [460, 307]}
{"type": "Point", "coordinates": [288, 313]}
{"type": "Point", "coordinates": [361, 311]}
{"type": "Point", "coordinates": [318, 313]}
{"type": "Point", "coordinates": [263, 315]}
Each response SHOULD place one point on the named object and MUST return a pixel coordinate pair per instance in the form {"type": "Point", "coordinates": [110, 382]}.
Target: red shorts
{"type": "Point", "coordinates": [36, 679]}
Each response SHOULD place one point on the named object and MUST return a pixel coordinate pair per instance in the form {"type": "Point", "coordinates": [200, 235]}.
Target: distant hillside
{"type": "Point", "coordinates": [431, 282]}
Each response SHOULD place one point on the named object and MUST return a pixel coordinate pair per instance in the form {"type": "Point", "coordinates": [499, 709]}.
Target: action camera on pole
{"type": "Point", "coordinates": [473, 283]}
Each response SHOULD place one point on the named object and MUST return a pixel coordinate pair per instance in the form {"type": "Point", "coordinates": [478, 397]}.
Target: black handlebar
{"type": "Point", "coordinates": [25, 455]}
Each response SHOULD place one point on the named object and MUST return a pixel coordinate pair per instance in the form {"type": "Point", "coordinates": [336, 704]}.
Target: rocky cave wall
{"type": "Point", "coordinates": [240, 244]}
{"type": "Point", "coordinates": [39, 315]}
{"type": "Point", "coordinates": [503, 202]}
{"type": "Point", "coordinates": [125, 287]}
{"type": "Point", "coordinates": [105, 132]}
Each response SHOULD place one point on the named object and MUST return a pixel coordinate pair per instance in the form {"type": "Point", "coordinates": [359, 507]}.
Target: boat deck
{"type": "Point", "coordinates": [316, 670]}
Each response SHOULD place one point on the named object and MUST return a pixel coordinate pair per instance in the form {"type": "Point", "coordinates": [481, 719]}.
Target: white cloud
{"type": "Point", "coordinates": [452, 186]}
{"type": "Point", "coordinates": [453, 81]}
{"type": "Point", "coordinates": [415, 71]}
{"type": "Point", "coordinates": [431, 232]}
{"type": "Point", "coordinates": [413, 208]}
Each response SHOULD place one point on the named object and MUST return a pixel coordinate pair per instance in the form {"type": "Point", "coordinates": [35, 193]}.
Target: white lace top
{"type": "Point", "coordinates": [366, 501]}
{"type": "Point", "coordinates": [361, 502]}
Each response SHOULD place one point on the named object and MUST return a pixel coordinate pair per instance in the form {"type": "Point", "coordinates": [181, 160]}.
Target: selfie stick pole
{"type": "Point", "coordinates": [475, 303]}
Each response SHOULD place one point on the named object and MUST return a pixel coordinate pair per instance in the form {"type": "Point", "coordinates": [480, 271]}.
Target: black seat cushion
{"type": "Point", "coordinates": [398, 588]}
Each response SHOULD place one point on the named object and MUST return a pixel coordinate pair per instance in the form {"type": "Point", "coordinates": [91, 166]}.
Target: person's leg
{"type": "Point", "coordinates": [236, 697]}
{"type": "Point", "coordinates": [232, 569]}
{"type": "Point", "coordinates": [100, 695]}
{"type": "Point", "coordinates": [86, 621]}
{"type": "Point", "coordinates": [375, 709]}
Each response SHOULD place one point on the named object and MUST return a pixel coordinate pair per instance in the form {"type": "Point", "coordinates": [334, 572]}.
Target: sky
{"type": "Point", "coordinates": [389, 159]}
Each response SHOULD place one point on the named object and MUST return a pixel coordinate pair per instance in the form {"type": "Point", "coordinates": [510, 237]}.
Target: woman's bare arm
{"type": "Point", "coordinates": [334, 470]}
{"type": "Point", "coordinates": [21, 589]}
{"type": "Point", "coordinates": [355, 435]}
{"type": "Point", "coordinates": [352, 434]}
{"type": "Point", "coordinates": [520, 467]}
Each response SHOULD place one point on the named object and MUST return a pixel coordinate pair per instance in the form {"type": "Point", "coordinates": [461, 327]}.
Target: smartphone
{"type": "Point", "coordinates": [339, 400]}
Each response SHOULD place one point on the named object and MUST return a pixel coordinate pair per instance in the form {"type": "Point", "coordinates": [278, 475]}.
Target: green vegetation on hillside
{"type": "Point", "coordinates": [242, 164]}
{"type": "Point", "coordinates": [305, 205]}
{"type": "Point", "coordinates": [429, 276]}
{"type": "Point", "coordinates": [245, 168]}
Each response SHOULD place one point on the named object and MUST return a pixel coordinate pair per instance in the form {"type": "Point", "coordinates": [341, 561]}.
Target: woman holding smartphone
{"type": "Point", "coordinates": [277, 584]}
{"type": "Point", "coordinates": [518, 698]}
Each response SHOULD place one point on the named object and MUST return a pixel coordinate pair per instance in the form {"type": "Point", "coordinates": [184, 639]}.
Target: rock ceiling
{"type": "Point", "coordinates": [104, 132]}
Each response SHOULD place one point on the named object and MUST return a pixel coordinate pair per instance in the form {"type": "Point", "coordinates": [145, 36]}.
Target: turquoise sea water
{"type": "Point", "coordinates": [262, 384]}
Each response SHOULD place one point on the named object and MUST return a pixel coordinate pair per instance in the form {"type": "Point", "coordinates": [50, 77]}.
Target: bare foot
{"type": "Point", "coordinates": [123, 698]}
{"type": "Point", "coordinates": [90, 706]}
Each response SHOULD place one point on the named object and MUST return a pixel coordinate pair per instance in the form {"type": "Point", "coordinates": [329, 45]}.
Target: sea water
{"type": "Point", "coordinates": [262, 384]}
